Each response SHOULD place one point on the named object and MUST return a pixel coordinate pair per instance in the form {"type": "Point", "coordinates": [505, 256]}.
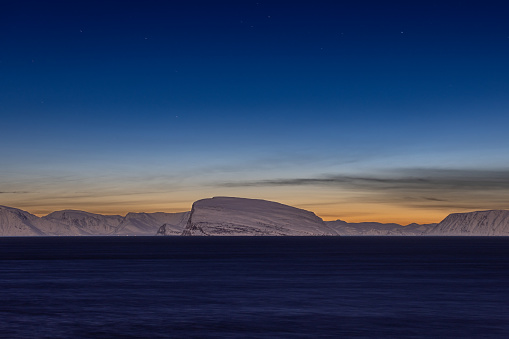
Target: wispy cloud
{"type": "Point", "coordinates": [14, 192]}
{"type": "Point", "coordinates": [420, 179]}
{"type": "Point", "coordinates": [418, 187]}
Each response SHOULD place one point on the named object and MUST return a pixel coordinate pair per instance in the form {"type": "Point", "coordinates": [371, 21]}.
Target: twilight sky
{"type": "Point", "coordinates": [393, 111]}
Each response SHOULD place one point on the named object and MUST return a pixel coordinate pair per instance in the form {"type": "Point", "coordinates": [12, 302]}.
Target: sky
{"type": "Point", "coordinates": [390, 111]}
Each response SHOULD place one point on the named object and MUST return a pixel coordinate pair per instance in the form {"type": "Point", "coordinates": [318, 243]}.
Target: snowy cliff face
{"type": "Point", "coordinates": [377, 229]}
{"type": "Point", "coordinates": [88, 223]}
{"type": "Point", "coordinates": [480, 223]}
{"type": "Point", "coordinates": [150, 223]}
{"type": "Point", "coordinates": [227, 216]}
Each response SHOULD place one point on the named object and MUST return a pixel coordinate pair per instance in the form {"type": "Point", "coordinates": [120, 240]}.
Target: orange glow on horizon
{"type": "Point", "coordinates": [349, 206]}
{"type": "Point", "coordinates": [352, 213]}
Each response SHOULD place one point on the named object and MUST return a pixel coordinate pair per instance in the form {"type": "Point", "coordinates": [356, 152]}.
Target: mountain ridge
{"type": "Point", "coordinates": [238, 216]}
{"type": "Point", "coordinates": [379, 229]}
{"type": "Point", "coordinates": [16, 222]}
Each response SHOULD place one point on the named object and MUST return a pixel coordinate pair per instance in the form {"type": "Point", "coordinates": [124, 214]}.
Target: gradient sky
{"type": "Point", "coordinates": [393, 111]}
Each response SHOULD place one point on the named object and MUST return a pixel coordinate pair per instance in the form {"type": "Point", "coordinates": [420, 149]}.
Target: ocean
{"type": "Point", "coordinates": [254, 287]}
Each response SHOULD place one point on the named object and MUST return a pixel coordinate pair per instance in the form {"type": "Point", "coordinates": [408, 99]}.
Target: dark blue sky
{"type": "Point", "coordinates": [169, 101]}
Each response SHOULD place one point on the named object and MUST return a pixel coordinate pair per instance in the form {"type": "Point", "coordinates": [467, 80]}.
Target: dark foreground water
{"type": "Point", "coordinates": [288, 287]}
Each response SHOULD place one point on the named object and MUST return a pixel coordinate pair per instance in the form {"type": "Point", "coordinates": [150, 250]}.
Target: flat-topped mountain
{"type": "Point", "coordinates": [227, 216]}
{"type": "Point", "coordinates": [480, 223]}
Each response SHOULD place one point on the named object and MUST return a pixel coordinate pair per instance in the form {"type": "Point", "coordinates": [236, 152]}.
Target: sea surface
{"type": "Point", "coordinates": [254, 287]}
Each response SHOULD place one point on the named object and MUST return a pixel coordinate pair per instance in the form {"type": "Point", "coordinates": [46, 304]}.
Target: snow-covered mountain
{"type": "Point", "coordinates": [150, 223]}
{"type": "Point", "coordinates": [480, 223]}
{"type": "Point", "coordinates": [376, 228]}
{"type": "Point", "coordinates": [16, 222]}
{"type": "Point", "coordinates": [227, 216]}
{"type": "Point", "coordinates": [88, 223]}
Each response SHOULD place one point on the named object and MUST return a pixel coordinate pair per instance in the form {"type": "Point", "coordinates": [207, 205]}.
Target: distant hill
{"type": "Point", "coordinates": [378, 229]}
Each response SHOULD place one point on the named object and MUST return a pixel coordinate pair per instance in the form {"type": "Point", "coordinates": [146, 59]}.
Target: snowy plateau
{"type": "Point", "coordinates": [228, 216]}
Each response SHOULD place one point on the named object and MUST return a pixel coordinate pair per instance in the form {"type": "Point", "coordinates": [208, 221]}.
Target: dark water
{"type": "Point", "coordinates": [202, 287]}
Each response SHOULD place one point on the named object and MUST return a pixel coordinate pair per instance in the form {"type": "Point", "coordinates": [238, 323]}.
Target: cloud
{"type": "Point", "coordinates": [14, 192]}
{"type": "Point", "coordinates": [418, 187]}
{"type": "Point", "coordinates": [433, 199]}
{"type": "Point", "coordinates": [421, 179]}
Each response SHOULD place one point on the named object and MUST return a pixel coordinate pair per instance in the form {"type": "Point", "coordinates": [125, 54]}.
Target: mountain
{"type": "Point", "coordinates": [88, 223]}
{"type": "Point", "coordinates": [16, 222]}
{"type": "Point", "coordinates": [376, 228]}
{"type": "Point", "coordinates": [150, 223]}
{"type": "Point", "coordinates": [227, 216]}
{"type": "Point", "coordinates": [480, 223]}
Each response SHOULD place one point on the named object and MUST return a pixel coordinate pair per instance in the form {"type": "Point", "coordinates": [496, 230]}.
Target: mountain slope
{"type": "Point", "coordinates": [150, 223]}
{"type": "Point", "coordinates": [227, 216]}
{"type": "Point", "coordinates": [15, 222]}
{"type": "Point", "coordinates": [88, 223]}
{"type": "Point", "coordinates": [175, 226]}
{"type": "Point", "coordinates": [480, 223]}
